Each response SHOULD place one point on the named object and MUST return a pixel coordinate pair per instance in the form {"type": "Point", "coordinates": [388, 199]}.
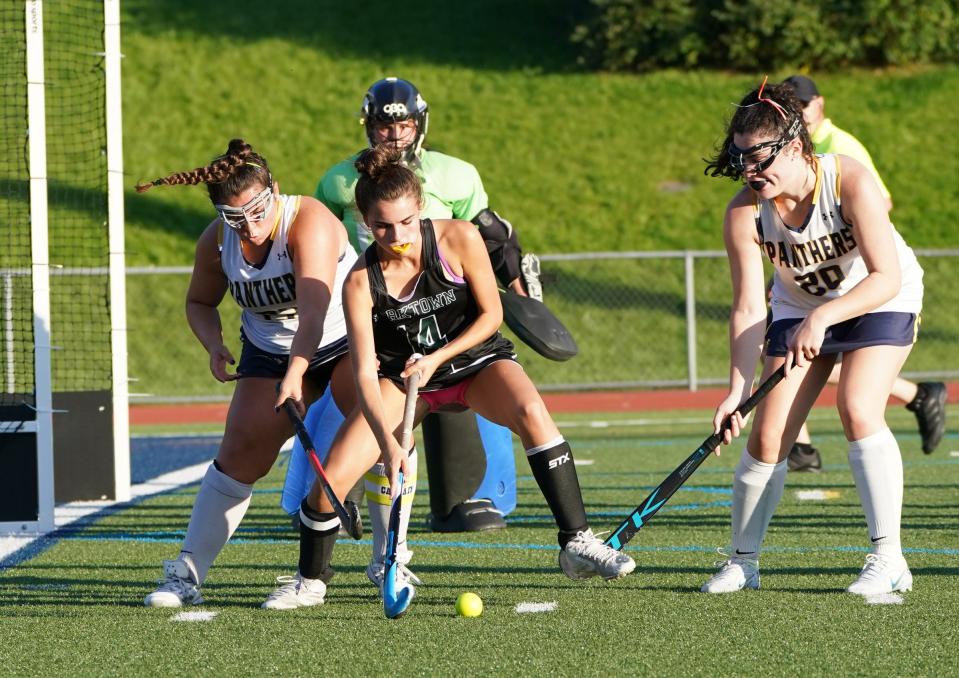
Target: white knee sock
{"type": "Point", "coordinates": [757, 489]}
{"type": "Point", "coordinates": [220, 505]}
{"type": "Point", "coordinates": [378, 502]}
{"type": "Point", "coordinates": [877, 468]}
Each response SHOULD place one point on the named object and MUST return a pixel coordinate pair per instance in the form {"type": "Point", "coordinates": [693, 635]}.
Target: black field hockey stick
{"type": "Point", "coordinates": [396, 602]}
{"type": "Point", "coordinates": [347, 511]}
{"type": "Point", "coordinates": [655, 501]}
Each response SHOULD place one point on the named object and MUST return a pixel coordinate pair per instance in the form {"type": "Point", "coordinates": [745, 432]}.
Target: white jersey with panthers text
{"type": "Point", "coordinates": [266, 290]}
{"type": "Point", "coordinates": [821, 260]}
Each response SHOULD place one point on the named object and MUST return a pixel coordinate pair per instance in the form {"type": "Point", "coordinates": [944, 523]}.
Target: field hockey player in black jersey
{"type": "Point", "coordinates": [427, 287]}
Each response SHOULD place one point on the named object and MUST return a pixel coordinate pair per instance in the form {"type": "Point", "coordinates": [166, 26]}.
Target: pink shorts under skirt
{"type": "Point", "coordinates": [449, 399]}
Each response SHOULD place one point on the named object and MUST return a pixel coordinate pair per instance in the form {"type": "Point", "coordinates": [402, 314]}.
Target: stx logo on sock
{"type": "Point", "coordinates": [558, 461]}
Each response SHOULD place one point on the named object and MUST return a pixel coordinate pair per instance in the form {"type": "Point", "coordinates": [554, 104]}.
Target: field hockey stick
{"type": "Point", "coordinates": [642, 513]}
{"type": "Point", "coordinates": [396, 602]}
{"type": "Point", "coordinates": [348, 513]}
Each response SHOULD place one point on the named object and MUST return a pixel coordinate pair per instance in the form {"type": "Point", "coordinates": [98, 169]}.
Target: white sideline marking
{"type": "Point", "coordinates": [64, 514]}
{"type": "Point", "coordinates": [816, 495]}
{"type": "Point", "coordinates": [884, 599]}
{"type": "Point", "coordinates": [198, 616]}
{"type": "Point", "coordinates": [671, 421]}
{"type": "Point", "coordinates": [530, 608]}
{"type": "Point", "coordinates": [954, 453]}
{"type": "Point", "coordinates": [582, 462]}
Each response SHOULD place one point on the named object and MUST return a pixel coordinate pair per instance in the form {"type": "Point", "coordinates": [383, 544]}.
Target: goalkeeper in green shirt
{"type": "Point", "coordinates": [927, 399]}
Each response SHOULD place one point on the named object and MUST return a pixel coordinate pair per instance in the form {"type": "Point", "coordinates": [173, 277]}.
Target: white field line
{"type": "Point", "coordinates": [816, 495]}
{"type": "Point", "coordinates": [954, 453]}
{"type": "Point", "coordinates": [196, 616]}
{"type": "Point", "coordinates": [583, 462]}
{"type": "Point", "coordinates": [533, 608]}
{"type": "Point", "coordinates": [612, 423]}
{"type": "Point", "coordinates": [884, 599]}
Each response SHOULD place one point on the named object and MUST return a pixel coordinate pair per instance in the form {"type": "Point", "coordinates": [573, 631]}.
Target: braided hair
{"type": "Point", "coordinates": [226, 176]}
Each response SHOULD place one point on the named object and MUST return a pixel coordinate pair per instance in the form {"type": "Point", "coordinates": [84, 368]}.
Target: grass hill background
{"type": "Point", "coordinates": [577, 160]}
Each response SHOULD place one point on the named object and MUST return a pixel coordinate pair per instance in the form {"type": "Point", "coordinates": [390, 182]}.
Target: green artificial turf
{"type": "Point", "coordinates": [77, 605]}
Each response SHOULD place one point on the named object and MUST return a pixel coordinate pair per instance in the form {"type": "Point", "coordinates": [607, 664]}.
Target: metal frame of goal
{"type": "Point", "coordinates": [30, 425]}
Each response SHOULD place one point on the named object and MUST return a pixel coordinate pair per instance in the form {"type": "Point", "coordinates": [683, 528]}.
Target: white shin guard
{"type": "Point", "coordinates": [876, 465]}
{"type": "Point", "coordinates": [378, 503]}
{"type": "Point", "coordinates": [220, 505]}
{"type": "Point", "coordinates": [757, 489]}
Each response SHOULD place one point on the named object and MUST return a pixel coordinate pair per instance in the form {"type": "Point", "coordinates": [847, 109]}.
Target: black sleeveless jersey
{"type": "Point", "coordinates": [435, 313]}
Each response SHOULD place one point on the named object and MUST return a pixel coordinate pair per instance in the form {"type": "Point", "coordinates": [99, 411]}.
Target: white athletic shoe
{"type": "Point", "coordinates": [375, 570]}
{"type": "Point", "coordinates": [178, 587]}
{"type": "Point", "coordinates": [736, 574]}
{"type": "Point", "coordinates": [585, 556]}
{"type": "Point", "coordinates": [882, 575]}
{"type": "Point", "coordinates": [294, 592]}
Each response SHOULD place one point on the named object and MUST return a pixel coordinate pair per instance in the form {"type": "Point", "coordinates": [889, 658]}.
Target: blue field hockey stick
{"type": "Point", "coordinates": [397, 600]}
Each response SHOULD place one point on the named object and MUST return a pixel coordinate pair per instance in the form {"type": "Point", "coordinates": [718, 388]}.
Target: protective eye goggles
{"type": "Point", "coordinates": [252, 212]}
{"type": "Point", "coordinates": [759, 157]}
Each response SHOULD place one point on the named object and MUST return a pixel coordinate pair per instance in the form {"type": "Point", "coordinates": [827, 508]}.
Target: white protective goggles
{"type": "Point", "coordinates": [253, 212]}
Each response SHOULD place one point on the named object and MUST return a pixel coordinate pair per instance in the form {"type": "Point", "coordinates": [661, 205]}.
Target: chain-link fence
{"type": "Point", "coordinates": [641, 319]}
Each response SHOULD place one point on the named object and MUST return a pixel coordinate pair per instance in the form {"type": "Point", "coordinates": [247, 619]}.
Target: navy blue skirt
{"type": "Point", "coordinates": [255, 362]}
{"type": "Point", "coordinates": [872, 329]}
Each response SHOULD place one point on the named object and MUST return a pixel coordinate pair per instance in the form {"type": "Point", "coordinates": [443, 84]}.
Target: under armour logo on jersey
{"type": "Point", "coordinates": [281, 255]}
{"type": "Point", "coordinates": [558, 461]}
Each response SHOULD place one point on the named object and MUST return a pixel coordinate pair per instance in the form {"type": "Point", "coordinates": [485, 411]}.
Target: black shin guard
{"type": "Point", "coordinates": [555, 474]}
{"type": "Point", "coordinates": [317, 538]}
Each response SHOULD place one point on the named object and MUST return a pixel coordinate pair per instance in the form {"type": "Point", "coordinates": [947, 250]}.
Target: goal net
{"type": "Point", "coordinates": [63, 431]}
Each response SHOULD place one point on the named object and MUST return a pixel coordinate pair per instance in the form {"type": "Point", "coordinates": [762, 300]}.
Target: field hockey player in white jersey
{"type": "Point", "coordinates": [283, 259]}
{"type": "Point", "coordinates": [844, 282]}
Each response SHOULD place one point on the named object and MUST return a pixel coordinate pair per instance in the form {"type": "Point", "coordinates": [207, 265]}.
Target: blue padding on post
{"type": "Point", "coordinates": [499, 483]}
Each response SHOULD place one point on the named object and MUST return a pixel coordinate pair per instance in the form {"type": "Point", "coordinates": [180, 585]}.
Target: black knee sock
{"type": "Point", "coordinates": [555, 474]}
{"type": "Point", "coordinates": [317, 537]}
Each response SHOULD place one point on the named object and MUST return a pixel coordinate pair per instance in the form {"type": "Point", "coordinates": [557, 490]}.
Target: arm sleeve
{"type": "Point", "coordinates": [321, 194]}
{"type": "Point", "coordinates": [471, 199]}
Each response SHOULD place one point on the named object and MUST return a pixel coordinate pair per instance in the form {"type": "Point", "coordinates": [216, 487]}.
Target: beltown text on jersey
{"type": "Point", "coordinates": [422, 306]}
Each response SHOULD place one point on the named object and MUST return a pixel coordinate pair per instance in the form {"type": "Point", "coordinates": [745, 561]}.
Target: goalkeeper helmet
{"type": "Point", "coordinates": [390, 101]}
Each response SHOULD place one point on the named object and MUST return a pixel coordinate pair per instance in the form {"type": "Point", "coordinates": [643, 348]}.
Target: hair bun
{"type": "Point", "coordinates": [374, 162]}
{"type": "Point", "coordinates": [239, 149]}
